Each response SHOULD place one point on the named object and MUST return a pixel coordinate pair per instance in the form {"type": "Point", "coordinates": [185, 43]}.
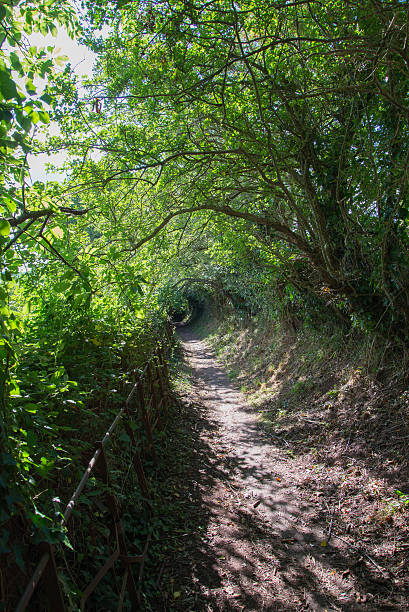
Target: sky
{"type": "Point", "coordinates": [81, 60]}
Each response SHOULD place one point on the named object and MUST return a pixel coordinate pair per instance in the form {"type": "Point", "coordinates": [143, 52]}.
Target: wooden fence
{"type": "Point", "coordinates": [146, 402]}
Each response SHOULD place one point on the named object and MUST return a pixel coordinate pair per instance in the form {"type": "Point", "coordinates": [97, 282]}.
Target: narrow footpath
{"type": "Point", "coordinates": [262, 545]}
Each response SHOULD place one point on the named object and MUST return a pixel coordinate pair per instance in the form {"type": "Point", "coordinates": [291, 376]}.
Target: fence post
{"type": "Point", "coordinates": [145, 419]}
{"type": "Point", "coordinates": [136, 459]}
{"type": "Point", "coordinates": [153, 389]}
{"type": "Point", "coordinates": [114, 508]}
{"type": "Point", "coordinates": [159, 370]}
{"type": "Point", "coordinates": [164, 375]}
{"type": "Point", "coordinates": [50, 580]}
{"type": "Point", "coordinates": [169, 331]}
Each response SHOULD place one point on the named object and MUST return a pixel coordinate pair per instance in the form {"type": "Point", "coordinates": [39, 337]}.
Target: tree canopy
{"type": "Point", "coordinates": [288, 118]}
{"type": "Point", "coordinates": [258, 150]}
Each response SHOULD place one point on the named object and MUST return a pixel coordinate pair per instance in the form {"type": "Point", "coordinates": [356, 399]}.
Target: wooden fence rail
{"type": "Point", "coordinates": [148, 401]}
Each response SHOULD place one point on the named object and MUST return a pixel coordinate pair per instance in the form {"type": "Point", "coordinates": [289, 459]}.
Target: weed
{"type": "Point", "coordinates": [393, 506]}
{"type": "Point", "coordinates": [302, 385]}
{"type": "Point", "coordinates": [402, 503]}
{"type": "Point", "coordinates": [233, 373]}
{"type": "Point", "coordinates": [333, 393]}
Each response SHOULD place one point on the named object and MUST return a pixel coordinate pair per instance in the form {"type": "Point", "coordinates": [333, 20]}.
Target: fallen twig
{"type": "Point", "coordinates": [278, 438]}
{"type": "Point", "coordinates": [331, 525]}
{"type": "Point", "coordinates": [313, 421]}
{"type": "Point", "coordinates": [386, 573]}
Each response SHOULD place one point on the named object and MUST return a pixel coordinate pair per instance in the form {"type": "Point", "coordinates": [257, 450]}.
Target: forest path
{"type": "Point", "coordinates": [261, 544]}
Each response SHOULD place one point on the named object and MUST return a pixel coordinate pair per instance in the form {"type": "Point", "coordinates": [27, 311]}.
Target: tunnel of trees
{"type": "Point", "coordinates": [253, 156]}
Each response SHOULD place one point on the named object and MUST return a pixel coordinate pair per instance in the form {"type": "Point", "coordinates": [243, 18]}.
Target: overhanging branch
{"type": "Point", "coordinates": [283, 230]}
{"type": "Point", "coordinates": [45, 212]}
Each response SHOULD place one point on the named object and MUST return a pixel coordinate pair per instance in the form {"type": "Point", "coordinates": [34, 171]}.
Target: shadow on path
{"type": "Point", "coordinates": [254, 545]}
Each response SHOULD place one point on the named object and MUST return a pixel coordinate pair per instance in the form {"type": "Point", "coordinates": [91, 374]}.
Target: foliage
{"type": "Point", "coordinates": [250, 154]}
{"type": "Point", "coordinates": [291, 118]}
{"type": "Point", "coordinates": [22, 107]}
{"type": "Point", "coordinates": [75, 321]}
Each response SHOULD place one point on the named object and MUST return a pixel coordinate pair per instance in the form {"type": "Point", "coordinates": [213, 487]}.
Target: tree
{"type": "Point", "coordinates": [291, 117]}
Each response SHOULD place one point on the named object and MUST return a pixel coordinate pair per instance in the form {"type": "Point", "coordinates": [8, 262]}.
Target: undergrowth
{"type": "Point", "coordinates": [69, 382]}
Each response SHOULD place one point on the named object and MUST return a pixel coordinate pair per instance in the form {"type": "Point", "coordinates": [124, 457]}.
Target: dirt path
{"type": "Point", "coordinates": [263, 543]}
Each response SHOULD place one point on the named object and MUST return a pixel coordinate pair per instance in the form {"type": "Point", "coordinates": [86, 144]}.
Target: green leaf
{"type": "Point", "coordinates": [44, 117]}
{"type": "Point", "coordinates": [6, 143]}
{"type": "Point", "coordinates": [31, 408]}
{"type": "Point", "coordinates": [78, 300]}
{"type": "Point", "coordinates": [7, 459]}
{"type": "Point", "coordinates": [4, 227]}
{"type": "Point", "coordinates": [61, 60]}
{"type": "Point", "coordinates": [66, 541]}
{"type": "Point", "coordinates": [62, 286]}
{"type": "Point", "coordinates": [23, 120]}
{"type": "Point", "coordinates": [6, 115]}
{"type": "Point", "coordinates": [10, 203]}
{"type": "Point", "coordinates": [15, 62]}
{"type": "Point", "coordinates": [8, 87]}
{"type": "Point", "coordinates": [30, 87]}
{"type": "Point", "coordinates": [46, 98]}
{"type": "Point", "coordinates": [35, 117]}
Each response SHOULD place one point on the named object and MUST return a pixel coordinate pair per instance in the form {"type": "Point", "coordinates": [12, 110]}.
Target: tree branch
{"type": "Point", "coordinates": [286, 233]}
{"type": "Point", "coordinates": [45, 212]}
